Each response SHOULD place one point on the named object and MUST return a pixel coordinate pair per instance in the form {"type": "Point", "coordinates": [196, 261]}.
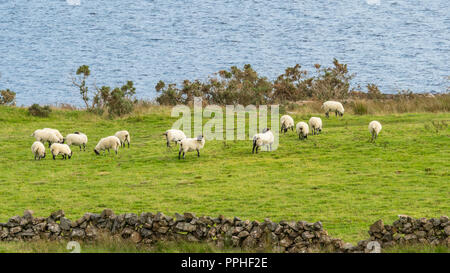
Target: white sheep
{"type": "Point", "coordinates": [333, 106]}
{"type": "Point", "coordinates": [191, 144]}
{"type": "Point", "coordinates": [123, 136]}
{"type": "Point", "coordinates": [57, 133]}
{"type": "Point", "coordinates": [38, 150]}
{"type": "Point", "coordinates": [316, 125]}
{"type": "Point", "coordinates": [61, 149]}
{"type": "Point", "coordinates": [374, 129]}
{"type": "Point", "coordinates": [264, 138]}
{"type": "Point", "coordinates": [111, 142]}
{"type": "Point", "coordinates": [302, 129]}
{"type": "Point", "coordinates": [46, 136]}
{"type": "Point", "coordinates": [287, 122]}
{"type": "Point", "coordinates": [78, 139]}
{"type": "Point", "coordinates": [174, 135]}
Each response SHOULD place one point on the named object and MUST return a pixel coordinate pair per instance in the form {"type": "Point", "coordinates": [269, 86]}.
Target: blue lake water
{"type": "Point", "coordinates": [396, 44]}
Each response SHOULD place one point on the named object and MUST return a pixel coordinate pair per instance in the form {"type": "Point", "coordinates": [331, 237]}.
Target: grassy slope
{"type": "Point", "coordinates": [338, 177]}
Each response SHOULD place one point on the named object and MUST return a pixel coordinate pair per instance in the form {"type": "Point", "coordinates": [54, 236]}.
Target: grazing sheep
{"type": "Point", "coordinates": [302, 130]}
{"type": "Point", "coordinates": [111, 142]}
{"type": "Point", "coordinates": [46, 136]}
{"type": "Point", "coordinates": [57, 133]}
{"type": "Point", "coordinates": [374, 129]}
{"type": "Point", "coordinates": [191, 144]}
{"type": "Point", "coordinates": [77, 139]}
{"type": "Point", "coordinates": [38, 150]}
{"type": "Point", "coordinates": [287, 122]}
{"type": "Point", "coordinates": [174, 135]}
{"type": "Point", "coordinates": [316, 125]}
{"type": "Point", "coordinates": [264, 138]}
{"type": "Point", "coordinates": [123, 136]}
{"type": "Point", "coordinates": [61, 149]}
{"type": "Point", "coordinates": [333, 106]}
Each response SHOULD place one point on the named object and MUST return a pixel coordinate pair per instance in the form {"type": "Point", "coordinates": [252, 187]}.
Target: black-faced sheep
{"type": "Point", "coordinates": [124, 137]}
{"type": "Point", "coordinates": [191, 144]}
{"type": "Point", "coordinates": [333, 106]}
{"type": "Point", "coordinates": [264, 138]}
{"type": "Point", "coordinates": [38, 150]}
{"type": "Point", "coordinates": [107, 143]}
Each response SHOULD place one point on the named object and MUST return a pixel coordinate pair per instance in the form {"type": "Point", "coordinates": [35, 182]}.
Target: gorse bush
{"type": "Point", "coordinates": [235, 86]}
{"type": "Point", "coordinates": [117, 101]}
{"type": "Point", "coordinates": [245, 86]}
{"type": "Point", "coordinates": [7, 97]}
{"type": "Point", "coordinates": [39, 111]}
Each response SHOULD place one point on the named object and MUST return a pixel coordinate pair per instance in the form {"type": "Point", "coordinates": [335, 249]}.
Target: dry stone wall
{"type": "Point", "coordinates": [284, 236]}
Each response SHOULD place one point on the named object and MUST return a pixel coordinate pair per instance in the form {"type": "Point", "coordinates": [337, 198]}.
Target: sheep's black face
{"type": "Point", "coordinates": [341, 114]}
{"type": "Point", "coordinates": [70, 156]}
{"type": "Point", "coordinates": [96, 152]}
{"type": "Point", "coordinates": [63, 140]}
{"type": "Point", "coordinates": [43, 156]}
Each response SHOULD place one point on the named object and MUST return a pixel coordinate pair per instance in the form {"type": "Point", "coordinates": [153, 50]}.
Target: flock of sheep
{"type": "Point", "coordinates": [266, 138]}
{"type": "Point", "coordinates": [57, 147]}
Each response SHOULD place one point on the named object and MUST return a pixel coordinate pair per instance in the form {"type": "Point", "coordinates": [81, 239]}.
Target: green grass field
{"type": "Point", "coordinates": [338, 177]}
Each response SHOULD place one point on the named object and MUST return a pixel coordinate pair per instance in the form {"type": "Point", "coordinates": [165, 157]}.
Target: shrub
{"type": "Point", "coordinates": [245, 86]}
{"type": "Point", "coordinates": [39, 111]}
{"type": "Point", "coordinates": [118, 101]}
{"type": "Point", "coordinates": [373, 91]}
{"type": "Point", "coordinates": [7, 97]}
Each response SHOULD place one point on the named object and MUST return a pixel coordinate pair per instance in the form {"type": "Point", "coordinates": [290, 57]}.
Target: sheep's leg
{"type": "Point", "coordinates": [198, 153]}
{"type": "Point", "coordinates": [168, 144]}
{"type": "Point", "coordinates": [108, 150]}
{"type": "Point", "coordinates": [54, 157]}
{"type": "Point", "coordinates": [80, 148]}
{"type": "Point", "coordinates": [179, 154]}
{"type": "Point", "coordinates": [257, 147]}
{"type": "Point", "coordinates": [270, 147]}
{"type": "Point", "coordinates": [183, 155]}
{"type": "Point", "coordinates": [49, 144]}
{"type": "Point", "coordinates": [116, 150]}
{"type": "Point", "coordinates": [128, 144]}
{"type": "Point", "coordinates": [84, 146]}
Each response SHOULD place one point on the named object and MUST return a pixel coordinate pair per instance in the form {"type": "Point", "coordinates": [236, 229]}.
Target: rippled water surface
{"type": "Point", "coordinates": [396, 44]}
